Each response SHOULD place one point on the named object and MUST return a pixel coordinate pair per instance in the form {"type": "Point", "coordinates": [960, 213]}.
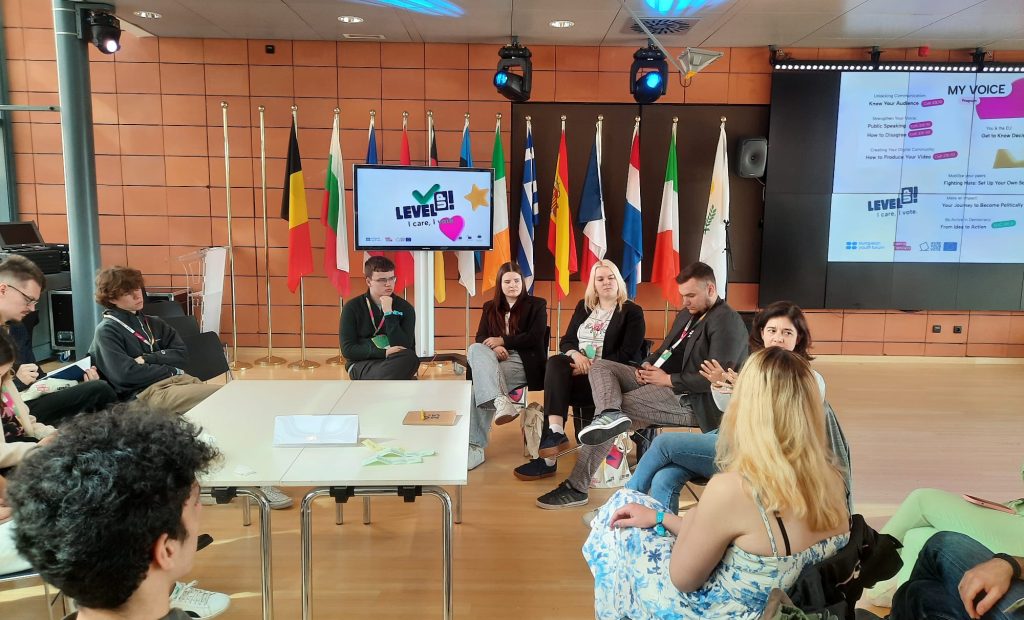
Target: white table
{"type": "Point", "coordinates": [241, 415]}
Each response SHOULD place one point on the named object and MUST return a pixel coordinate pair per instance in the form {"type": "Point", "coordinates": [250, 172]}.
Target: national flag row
{"type": "Point", "coordinates": [561, 240]}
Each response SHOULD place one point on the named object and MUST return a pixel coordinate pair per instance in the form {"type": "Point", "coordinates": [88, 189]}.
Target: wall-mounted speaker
{"type": "Point", "coordinates": [753, 156]}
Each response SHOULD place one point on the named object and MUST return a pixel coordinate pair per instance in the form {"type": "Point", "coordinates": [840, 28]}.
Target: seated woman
{"type": "Point", "coordinates": [509, 353]}
{"type": "Point", "coordinates": [778, 505]}
{"type": "Point", "coordinates": [605, 325]}
{"type": "Point", "coordinates": [674, 459]}
{"type": "Point", "coordinates": [21, 431]}
{"type": "Point", "coordinates": [925, 512]}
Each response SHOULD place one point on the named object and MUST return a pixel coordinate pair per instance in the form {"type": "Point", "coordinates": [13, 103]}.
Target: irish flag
{"type": "Point", "coordinates": [501, 251]}
{"type": "Point", "coordinates": [666, 246]}
{"type": "Point", "coordinates": [714, 246]}
{"type": "Point", "coordinates": [333, 217]}
{"type": "Point", "coordinates": [293, 209]}
{"type": "Point", "coordinates": [561, 239]}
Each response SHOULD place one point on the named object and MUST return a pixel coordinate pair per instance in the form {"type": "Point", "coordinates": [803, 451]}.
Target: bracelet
{"type": "Point", "coordinates": [1014, 564]}
{"type": "Point", "coordinates": [393, 313]}
{"type": "Point", "coordinates": [659, 526]}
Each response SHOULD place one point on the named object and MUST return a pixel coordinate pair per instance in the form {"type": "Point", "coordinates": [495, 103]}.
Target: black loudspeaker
{"type": "Point", "coordinates": [752, 158]}
{"type": "Point", "coordinates": [62, 321]}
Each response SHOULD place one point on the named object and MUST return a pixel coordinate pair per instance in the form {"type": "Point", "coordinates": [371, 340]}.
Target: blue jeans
{"type": "Point", "coordinates": [932, 592]}
{"type": "Point", "coordinates": [673, 460]}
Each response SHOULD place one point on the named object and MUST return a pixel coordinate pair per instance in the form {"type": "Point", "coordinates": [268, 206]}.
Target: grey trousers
{"type": "Point", "coordinates": [615, 387]}
{"type": "Point", "coordinates": [401, 365]}
{"type": "Point", "coordinates": [491, 379]}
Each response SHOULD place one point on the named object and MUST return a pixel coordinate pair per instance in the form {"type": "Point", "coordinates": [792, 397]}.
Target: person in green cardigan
{"type": "Point", "coordinates": [378, 328]}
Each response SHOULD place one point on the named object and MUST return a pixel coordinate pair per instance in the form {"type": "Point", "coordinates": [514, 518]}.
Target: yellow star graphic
{"type": "Point", "coordinates": [477, 197]}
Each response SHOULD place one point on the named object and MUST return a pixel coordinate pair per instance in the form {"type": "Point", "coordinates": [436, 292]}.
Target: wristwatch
{"type": "Point", "coordinates": [659, 525]}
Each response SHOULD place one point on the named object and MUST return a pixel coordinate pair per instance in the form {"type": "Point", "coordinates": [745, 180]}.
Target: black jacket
{"type": "Point", "coordinates": [624, 340]}
{"type": "Point", "coordinates": [115, 348]}
{"type": "Point", "coordinates": [720, 336]}
{"type": "Point", "coordinates": [529, 341]}
{"type": "Point", "coordinates": [356, 328]}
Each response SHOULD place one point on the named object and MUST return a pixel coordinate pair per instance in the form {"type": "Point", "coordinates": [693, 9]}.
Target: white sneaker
{"type": "Point", "coordinates": [589, 516]}
{"type": "Point", "coordinates": [504, 410]}
{"type": "Point", "coordinates": [476, 457]}
{"type": "Point", "coordinates": [277, 498]}
{"type": "Point", "coordinates": [198, 603]}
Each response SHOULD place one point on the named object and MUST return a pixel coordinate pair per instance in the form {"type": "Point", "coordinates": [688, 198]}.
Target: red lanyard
{"type": "Point", "coordinates": [150, 341]}
{"type": "Point", "coordinates": [369, 308]}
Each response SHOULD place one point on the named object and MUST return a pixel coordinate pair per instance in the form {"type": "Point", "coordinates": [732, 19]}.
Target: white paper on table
{"type": "Point", "coordinates": [300, 431]}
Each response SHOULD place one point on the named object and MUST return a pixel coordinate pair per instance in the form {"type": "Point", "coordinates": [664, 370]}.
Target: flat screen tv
{"type": "Point", "coordinates": [423, 208]}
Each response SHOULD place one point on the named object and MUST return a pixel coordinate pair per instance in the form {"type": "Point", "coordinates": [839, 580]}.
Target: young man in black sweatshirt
{"type": "Point", "coordinates": [377, 328]}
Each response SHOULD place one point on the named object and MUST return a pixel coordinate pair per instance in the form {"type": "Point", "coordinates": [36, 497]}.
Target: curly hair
{"type": "Point", "coordinates": [91, 505]}
{"type": "Point", "coordinates": [116, 281]}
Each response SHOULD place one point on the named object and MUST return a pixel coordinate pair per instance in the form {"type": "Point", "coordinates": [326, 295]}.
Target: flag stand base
{"type": "Point", "coordinates": [337, 360]}
{"type": "Point", "coordinates": [271, 360]}
{"type": "Point", "coordinates": [303, 365]}
{"type": "Point", "coordinates": [236, 365]}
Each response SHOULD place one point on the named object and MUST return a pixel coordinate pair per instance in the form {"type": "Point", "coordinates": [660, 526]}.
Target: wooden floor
{"type": "Point", "coordinates": [951, 424]}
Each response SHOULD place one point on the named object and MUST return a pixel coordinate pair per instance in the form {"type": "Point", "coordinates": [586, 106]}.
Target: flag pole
{"type": "Point", "coordinates": [558, 311]}
{"type": "Point", "coordinates": [303, 363]}
{"type": "Point", "coordinates": [337, 360]}
{"type": "Point", "coordinates": [270, 359]}
{"type": "Point", "coordinates": [235, 364]}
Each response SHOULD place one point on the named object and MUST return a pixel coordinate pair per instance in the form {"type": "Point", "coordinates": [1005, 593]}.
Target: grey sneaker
{"type": "Point", "coordinates": [476, 457]}
{"type": "Point", "coordinates": [277, 498]}
{"type": "Point", "coordinates": [604, 427]}
{"type": "Point", "coordinates": [504, 410]}
{"type": "Point", "coordinates": [198, 603]}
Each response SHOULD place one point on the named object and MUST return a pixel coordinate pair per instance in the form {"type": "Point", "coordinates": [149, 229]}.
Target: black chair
{"type": "Point", "coordinates": [163, 309]}
{"type": "Point", "coordinates": [185, 325]}
{"type": "Point", "coordinates": [206, 358]}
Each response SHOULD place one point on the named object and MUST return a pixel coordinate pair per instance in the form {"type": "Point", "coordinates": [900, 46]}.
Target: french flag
{"type": "Point", "coordinates": [591, 211]}
{"type": "Point", "coordinates": [632, 226]}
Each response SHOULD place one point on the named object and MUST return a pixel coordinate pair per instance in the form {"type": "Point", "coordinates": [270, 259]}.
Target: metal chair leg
{"type": "Point", "coordinates": [366, 510]}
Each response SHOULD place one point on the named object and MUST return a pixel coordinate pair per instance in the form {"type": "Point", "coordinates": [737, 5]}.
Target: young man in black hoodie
{"type": "Point", "coordinates": [141, 356]}
{"type": "Point", "coordinates": [378, 337]}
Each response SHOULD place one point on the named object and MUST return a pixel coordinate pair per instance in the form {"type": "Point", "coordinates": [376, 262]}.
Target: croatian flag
{"type": "Point", "coordinates": [632, 226]}
{"type": "Point", "coordinates": [591, 212]}
{"type": "Point", "coordinates": [528, 211]}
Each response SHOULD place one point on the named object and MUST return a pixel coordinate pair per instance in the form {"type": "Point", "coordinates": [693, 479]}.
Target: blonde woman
{"type": "Point", "coordinates": [605, 325]}
{"type": "Point", "coordinates": [778, 505]}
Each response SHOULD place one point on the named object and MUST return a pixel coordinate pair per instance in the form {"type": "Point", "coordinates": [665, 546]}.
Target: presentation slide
{"type": "Point", "coordinates": [423, 208]}
{"type": "Point", "coordinates": [929, 168]}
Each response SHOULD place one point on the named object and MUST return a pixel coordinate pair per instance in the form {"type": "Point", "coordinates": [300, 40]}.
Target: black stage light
{"type": "Point", "coordinates": [514, 86]}
{"type": "Point", "coordinates": [105, 31]}
{"type": "Point", "coordinates": [648, 77]}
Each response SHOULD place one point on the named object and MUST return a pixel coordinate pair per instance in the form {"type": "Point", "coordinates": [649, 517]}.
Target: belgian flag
{"type": "Point", "coordinates": [293, 209]}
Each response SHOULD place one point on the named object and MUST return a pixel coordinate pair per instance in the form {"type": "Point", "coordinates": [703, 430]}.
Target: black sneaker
{"type": "Point", "coordinates": [564, 496]}
{"type": "Point", "coordinates": [535, 470]}
{"type": "Point", "coordinates": [551, 444]}
{"type": "Point", "coordinates": [604, 427]}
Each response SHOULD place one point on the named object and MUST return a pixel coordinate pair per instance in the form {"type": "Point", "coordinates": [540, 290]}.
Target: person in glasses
{"type": "Point", "coordinates": [50, 401]}
{"type": "Point", "coordinates": [377, 329]}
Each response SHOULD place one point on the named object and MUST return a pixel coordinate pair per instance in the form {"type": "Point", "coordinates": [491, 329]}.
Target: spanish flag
{"type": "Point", "coordinates": [561, 239]}
{"type": "Point", "coordinates": [293, 209]}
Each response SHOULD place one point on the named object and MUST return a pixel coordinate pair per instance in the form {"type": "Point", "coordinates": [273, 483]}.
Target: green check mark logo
{"type": "Point", "coordinates": [426, 196]}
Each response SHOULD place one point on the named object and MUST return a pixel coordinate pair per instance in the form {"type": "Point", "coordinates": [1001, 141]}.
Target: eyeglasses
{"type": "Point", "coordinates": [29, 301]}
{"type": "Point", "coordinates": [390, 280]}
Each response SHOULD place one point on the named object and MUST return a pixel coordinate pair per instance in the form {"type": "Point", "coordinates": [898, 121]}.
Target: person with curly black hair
{"type": "Point", "coordinates": [109, 513]}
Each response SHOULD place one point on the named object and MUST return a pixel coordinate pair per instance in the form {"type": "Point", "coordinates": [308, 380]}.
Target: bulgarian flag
{"type": "Point", "coordinates": [293, 209]}
{"type": "Point", "coordinates": [501, 251]}
{"type": "Point", "coordinates": [561, 239]}
{"type": "Point", "coordinates": [405, 265]}
{"type": "Point", "coordinates": [333, 217]}
{"type": "Point", "coordinates": [666, 246]}
{"type": "Point", "coordinates": [440, 293]}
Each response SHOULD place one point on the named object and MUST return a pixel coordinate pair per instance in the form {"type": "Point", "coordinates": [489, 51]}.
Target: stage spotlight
{"type": "Point", "coordinates": [514, 86]}
{"type": "Point", "coordinates": [648, 76]}
{"type": "Point", "coordinates": [105, 31]}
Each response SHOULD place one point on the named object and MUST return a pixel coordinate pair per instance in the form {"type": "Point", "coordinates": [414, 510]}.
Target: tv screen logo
{"type": "Point", "coordinates": [908, 196]}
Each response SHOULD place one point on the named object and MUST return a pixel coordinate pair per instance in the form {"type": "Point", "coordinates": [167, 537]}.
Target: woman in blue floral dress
{"type": "Point", "coordinates": [778, 505]}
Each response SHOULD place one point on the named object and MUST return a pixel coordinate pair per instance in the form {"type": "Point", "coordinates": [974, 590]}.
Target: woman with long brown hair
{"type": "Point", "coordinates": [509, 353]}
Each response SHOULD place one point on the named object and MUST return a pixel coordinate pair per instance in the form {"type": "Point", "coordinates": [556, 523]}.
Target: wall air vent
{"type": "Point", "coordinates": [362, 37]}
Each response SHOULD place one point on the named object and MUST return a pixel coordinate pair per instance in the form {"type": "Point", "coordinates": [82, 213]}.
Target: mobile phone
{"type": "Point", "coordinates": [984, 503]}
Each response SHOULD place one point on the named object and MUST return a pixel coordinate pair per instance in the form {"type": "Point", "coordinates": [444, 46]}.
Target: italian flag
{"type": "Point", "coordinates": [333, 217]}
{"type": "Point", "coordinates": [666, 246]}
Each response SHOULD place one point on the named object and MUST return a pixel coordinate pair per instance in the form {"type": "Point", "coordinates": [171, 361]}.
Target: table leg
{"type": "Point", "coordinates": [265, 560]}
{"type": "Point", "coordinates": [366, 510]}
{"type": "Point", "coordinates": [458, 504]}
{"type": "Point", "coordinates": [446, 542]}
{"type": "Point", "coordinates": [246, 513]}
{"type": "Point", "coordinates": [339, 513]}
{"type": "Point", "coordinates": [306, 535]}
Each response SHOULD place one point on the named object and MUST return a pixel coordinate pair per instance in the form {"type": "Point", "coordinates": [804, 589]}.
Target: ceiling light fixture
{"type": "Point", "coordinates": [147, 14]}
{"type": "Point", "coordinates": [350, 19]}
{"type": "Point", "coordinates": [648, 75]}
{"type": "Point", "coordinates": [514, 86]}
{"type": "Point", "coordinates": [562, 23]}
{"type": "Point", "coordinates": [104, 31]}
